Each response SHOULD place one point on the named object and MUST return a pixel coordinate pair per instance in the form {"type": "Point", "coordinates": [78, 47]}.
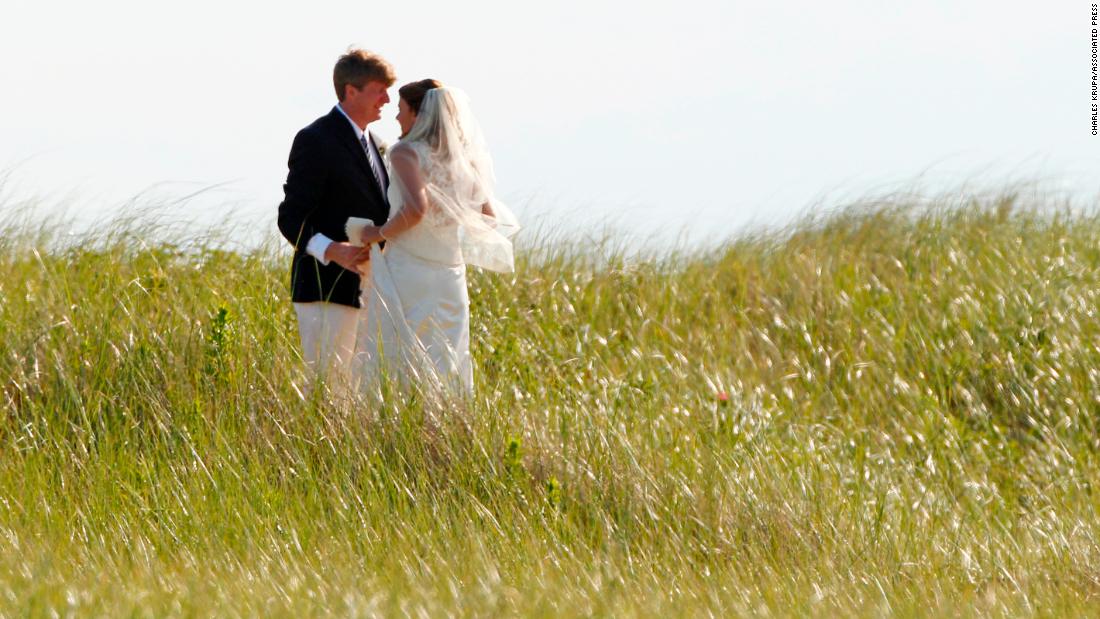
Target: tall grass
{"type": "Point", "coordinates": [892, 409]}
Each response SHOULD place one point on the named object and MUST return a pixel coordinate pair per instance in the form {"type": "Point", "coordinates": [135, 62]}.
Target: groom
{"type": "Point", "coordinates": [335, 172]}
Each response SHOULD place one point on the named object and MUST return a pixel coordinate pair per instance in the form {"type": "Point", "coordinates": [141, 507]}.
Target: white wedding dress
{"type": "Point", "coordinates": [416, 323]}
{"type": "Point", "coordinates": [417, 308]}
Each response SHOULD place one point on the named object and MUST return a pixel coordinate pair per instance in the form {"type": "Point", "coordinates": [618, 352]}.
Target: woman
{"type": "Point", "coordinates": [443, 216]}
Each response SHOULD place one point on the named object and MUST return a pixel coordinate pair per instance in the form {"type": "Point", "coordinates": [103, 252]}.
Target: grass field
{"type": "Point", "coordinates": [894, 409]}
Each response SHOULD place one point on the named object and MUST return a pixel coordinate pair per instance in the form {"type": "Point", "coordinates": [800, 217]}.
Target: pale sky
{"type": "Point", "coordinates": [697, 115]}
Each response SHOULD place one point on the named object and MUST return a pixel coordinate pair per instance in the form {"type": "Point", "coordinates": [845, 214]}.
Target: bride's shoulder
{"type": "Point", "coordinates": [410, 149]}
{"type": "Point", "coordinates": [409, 153]}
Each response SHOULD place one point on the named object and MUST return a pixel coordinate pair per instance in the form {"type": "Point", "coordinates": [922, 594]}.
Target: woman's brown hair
{"type": "Point", "coordinates": [413, 92]}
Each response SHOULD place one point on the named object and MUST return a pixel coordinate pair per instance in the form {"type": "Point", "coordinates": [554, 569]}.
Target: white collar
{"type": "Point", "coordinates": [358, 132]}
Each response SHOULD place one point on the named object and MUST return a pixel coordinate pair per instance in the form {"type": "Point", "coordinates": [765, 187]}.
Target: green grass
{"type": "Point", "coordinates": [912, 428]}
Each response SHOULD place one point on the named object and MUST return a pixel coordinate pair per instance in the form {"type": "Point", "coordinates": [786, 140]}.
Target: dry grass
{"type": "Point", "coordinates": [890, 410]}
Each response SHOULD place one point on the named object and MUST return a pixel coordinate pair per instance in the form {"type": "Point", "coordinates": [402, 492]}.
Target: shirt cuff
{"type": "Point", "coordinates": [317, 247]}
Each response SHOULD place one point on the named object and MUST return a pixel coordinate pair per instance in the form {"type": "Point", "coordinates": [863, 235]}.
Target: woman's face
{"type": "Point", "coordinates": [405, 117]}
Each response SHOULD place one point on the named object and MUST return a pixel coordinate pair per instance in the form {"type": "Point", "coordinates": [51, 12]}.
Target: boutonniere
{"type": "Point", "coordinates": [382, 148]}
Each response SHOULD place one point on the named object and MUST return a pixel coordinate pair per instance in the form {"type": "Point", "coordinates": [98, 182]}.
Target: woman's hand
{"type": "Point", "coordinates": [371, 234]}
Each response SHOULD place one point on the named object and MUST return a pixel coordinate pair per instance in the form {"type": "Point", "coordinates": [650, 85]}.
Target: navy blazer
{"type": "Point", "coordinates": [329, 180]}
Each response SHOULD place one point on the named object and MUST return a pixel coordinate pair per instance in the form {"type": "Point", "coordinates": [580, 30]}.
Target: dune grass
{"type": "Point", "coordinates": [892, 409]}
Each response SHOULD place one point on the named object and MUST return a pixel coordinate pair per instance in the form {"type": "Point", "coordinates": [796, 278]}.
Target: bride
{"type": "Point", "coordinates": [443, 216]}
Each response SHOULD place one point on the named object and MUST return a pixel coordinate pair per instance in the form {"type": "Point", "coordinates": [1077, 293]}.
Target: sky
{"type": "Point", "coordinates": [693, 120]}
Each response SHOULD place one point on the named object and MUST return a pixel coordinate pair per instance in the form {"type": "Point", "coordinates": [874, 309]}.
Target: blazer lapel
{"type": "Point", "coordinates": [346, 136]}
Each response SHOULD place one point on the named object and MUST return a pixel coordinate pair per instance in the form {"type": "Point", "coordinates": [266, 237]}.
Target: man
{"type": "Point", "coordinates": [335, 172]}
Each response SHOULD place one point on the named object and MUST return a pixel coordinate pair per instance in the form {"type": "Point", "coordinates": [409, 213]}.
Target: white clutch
{"type": "Point", "coordinates": [354, 229]}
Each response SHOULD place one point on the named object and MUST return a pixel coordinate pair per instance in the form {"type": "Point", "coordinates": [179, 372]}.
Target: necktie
{"type": "Point", "coordinates": [375, 166]}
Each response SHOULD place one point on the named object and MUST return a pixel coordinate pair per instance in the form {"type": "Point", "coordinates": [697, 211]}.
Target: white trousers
{"type": "Point", "coordinates": [328, 332]}
{"type": "Point", "coordinates": [328, 338]}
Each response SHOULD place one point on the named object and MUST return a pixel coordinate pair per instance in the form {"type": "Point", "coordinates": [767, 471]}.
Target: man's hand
{"type": "Point", "coordinates": [347, 255]}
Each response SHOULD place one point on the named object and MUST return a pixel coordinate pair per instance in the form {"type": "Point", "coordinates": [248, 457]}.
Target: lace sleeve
{"type": "Point", "coordinates": [409, 181]}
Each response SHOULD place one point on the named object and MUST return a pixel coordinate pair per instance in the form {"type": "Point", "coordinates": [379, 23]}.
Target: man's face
{"type": "Point", "coordinates": [368, 100]}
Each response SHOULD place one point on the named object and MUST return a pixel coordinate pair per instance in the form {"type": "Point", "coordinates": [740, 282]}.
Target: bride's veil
{"type": "Point", "coordinates": [457, 173]}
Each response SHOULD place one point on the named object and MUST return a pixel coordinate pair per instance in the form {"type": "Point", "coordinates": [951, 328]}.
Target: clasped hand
{"type": "Point", "coordinates": [347, 255]}
{"type": "Point", "coordinates": [370, 235]}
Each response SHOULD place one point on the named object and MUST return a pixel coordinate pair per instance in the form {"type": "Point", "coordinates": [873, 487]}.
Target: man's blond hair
{"type": "Point", "coordinates": [357, 67]}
